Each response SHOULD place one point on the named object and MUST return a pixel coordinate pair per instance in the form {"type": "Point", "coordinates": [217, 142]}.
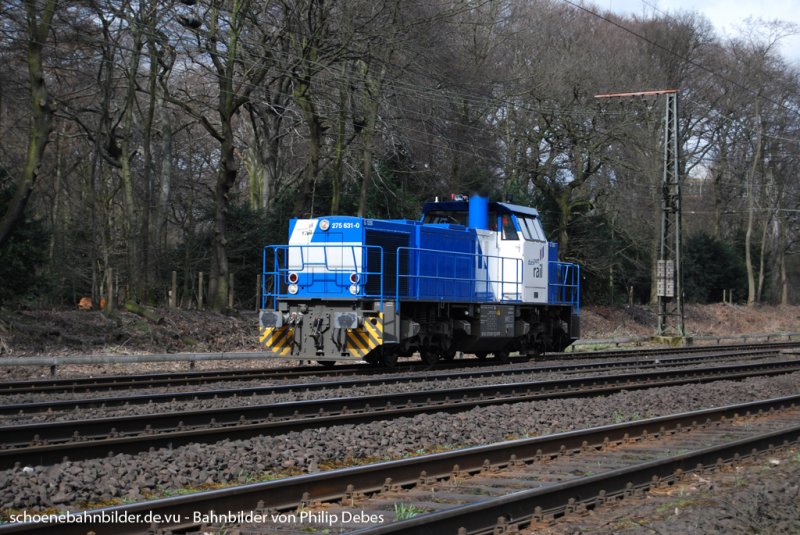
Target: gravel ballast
{"type": "Point", "coordinates": [302, 395]}
{"type": "Point", "coordinates": [124, 477]}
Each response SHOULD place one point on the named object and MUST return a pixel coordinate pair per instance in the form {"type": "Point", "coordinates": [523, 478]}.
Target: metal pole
{"type": "Point", "coordinates": [669, 272]}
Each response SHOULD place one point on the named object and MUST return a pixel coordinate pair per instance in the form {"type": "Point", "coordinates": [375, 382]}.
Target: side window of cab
{"type": "Point", "coordinates": [530, 228]}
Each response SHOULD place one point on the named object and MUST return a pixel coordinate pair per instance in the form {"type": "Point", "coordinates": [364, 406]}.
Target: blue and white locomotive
{"type": "Point", "coordinates": [473, 276]}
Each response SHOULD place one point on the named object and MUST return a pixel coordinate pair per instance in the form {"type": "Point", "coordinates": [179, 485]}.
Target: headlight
{"type": "Point", "coordinates": [292, 289]}
{"type": "Point", "coordinates": [293, 278]}
{"type": "Point", "coordinates": [354, 289]}
{"type": "Point", "coordinates": [354, 278]}
{"type": "Point", "coordinates": [324, 224]}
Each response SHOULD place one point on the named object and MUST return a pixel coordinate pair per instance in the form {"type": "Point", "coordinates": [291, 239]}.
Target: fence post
{"type": "Point", "coordinates": [258, 292]}
{"type": "Point", "coordinates": [200, 292]}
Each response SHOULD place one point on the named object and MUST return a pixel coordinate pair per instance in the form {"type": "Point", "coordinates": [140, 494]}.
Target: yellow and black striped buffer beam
{"type": "Point", "coordinates": [365, 338]}
{"type": "Point", "coordinates": [278, 339]}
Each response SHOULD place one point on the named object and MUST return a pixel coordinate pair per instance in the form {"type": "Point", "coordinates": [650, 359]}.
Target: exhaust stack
{"type": "Point", "coordinates": [479, 212]}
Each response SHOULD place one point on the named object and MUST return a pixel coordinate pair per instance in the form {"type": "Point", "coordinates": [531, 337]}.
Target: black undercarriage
{"type": "Point", "coordinates": [340, 330]}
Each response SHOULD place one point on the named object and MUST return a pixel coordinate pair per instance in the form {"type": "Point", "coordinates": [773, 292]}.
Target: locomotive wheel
{"type": "Point", "coordinates": [501, 357]}
{"type": "Point", "coordinates": [389, 359]}
{"type": "Point", "coordinates": [531, 354]}
{"type": "Point", "coordinates": [429, 357]}
{"type": "Point", "coordinates": [327, 363]}
{"type": "Point", "coordinates": [448, 356]}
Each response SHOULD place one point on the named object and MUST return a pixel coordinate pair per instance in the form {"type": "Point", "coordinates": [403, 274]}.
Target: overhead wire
{"type": "Point", "coordinates": [688, 60]}
{"type": "Point", "coordinates": [436, 96]}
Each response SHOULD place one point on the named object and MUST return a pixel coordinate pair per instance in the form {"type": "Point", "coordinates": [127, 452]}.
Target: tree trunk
{"type": "Point", "coordinates": [751, 177]}
{"type": "Point", "coordinates": [719, 180]}
{"type": "Point", "coordinates": [761, 260]}
{"type": "Point", "coordinates": [56, 213]}
{"type": "Point", "coordinates": [42, 115]}
{"type": "Point", "coordinates": [219, 276]}
{"type": "Point", "coordinates": [372, 89]}
{"type": "Point", "coordinates": [336, 179]}
{"type": "Point", "coordinates": [129, 223]}
{"type": "Point", "coordinates": [784, 277]}
{"type": "Point", "coordinates": [164, 182]}
{"type": "Point", "coordinates": [144, 312]}
{"type": "Point", "coordinates": [148, 174]}
{"type": "Point", "coordinates": [266, 122]}
{"type": "Point", "coordinates": [304, 203]}
{"type": "Point", "coordinates": [564, 215]}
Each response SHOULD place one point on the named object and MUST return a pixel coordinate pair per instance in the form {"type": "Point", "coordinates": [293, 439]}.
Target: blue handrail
{"type": "Point", "coordinates": [565, 288]}
{"type": "Point", "coordinates": [459, 277]}
{"type": "Point", "coordinates": [428, 274]}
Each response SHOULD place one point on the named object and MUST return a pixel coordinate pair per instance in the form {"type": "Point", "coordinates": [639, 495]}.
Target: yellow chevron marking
{"type": "Point", "coordinates": [266, 332]}
{"type": "Point", "coordinates": [283, 345]}
{"type": "Point", "coordinates": [276, 336]}
{"type": "Point", "coordinates": [354, 349]}
{"type": "Point", "coordinates": [363, 337]}
{"type": "Point", "coordinates": [357, 353]}
{"type": "Point", "coordinates": [375, 330]}
{"type": "Point", "coordinates": [288, 339]}
{"type": "Point", "coordinates": [351, 335]}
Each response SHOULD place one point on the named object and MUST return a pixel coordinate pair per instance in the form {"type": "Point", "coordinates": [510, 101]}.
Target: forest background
{"type": "Point", "coordinates": [147, 137]}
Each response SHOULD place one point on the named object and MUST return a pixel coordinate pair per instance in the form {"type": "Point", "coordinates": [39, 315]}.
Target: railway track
{"type": "Point", "coordinates": [47, 443]}
{"type": "Point", "coordinates": [487, 489]}
{"type": "Point", "coordinates": [124, 382]}
{"type": "Point", "coordinates": [121, 400]}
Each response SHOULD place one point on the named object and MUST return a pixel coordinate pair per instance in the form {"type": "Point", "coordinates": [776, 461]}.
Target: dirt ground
{"type": "Point", "coordinates": [75, 332]}
{"type": "Point", "coordinates": [701, 320]}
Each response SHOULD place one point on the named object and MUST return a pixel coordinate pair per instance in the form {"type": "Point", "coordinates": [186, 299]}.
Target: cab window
{"type": "Point", "coordinates": [507, 226]}
{"type": "Point", "coordinates": [523, 227]}
{"type": "Point", "coordinates": [530, 225]}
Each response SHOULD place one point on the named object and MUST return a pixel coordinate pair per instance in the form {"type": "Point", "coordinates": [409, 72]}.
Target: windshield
{"type": "Point", "coordinates": [446, 217]}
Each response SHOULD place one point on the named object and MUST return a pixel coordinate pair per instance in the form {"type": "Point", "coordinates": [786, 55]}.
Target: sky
{"type": "Point", "coordinates": [725, 15]}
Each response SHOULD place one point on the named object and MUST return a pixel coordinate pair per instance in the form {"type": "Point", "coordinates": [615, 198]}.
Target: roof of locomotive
{"type": "Point", "coordinates": [463, 206]}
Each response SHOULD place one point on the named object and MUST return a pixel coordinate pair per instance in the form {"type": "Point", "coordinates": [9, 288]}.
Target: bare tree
{"type": "Point", "coordinates": [220, 42]}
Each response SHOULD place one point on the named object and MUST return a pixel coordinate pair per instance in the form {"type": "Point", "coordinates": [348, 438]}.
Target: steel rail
{"type": "Point", "coordinates": [120, 382]}
{"type": "Point", "coordinates": [496, 515]}
{"type": "Point", "coordinates": [292, 492]}
{"type": "Point", "coordinates": [51, 442]}
{"type": "Point", "coordinates": [162, 397]}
